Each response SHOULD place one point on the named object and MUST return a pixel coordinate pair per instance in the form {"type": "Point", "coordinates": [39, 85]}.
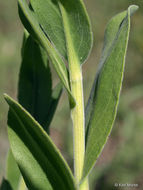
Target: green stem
{"type": "Point", "coordinates": [77, 114]}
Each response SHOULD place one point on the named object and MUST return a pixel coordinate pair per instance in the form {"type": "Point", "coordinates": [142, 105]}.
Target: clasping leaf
{"type": "Point", "coordinates": [67, 25]}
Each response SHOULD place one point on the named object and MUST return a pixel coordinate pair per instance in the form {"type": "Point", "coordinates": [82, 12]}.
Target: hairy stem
{"type": "Point", "coordinates": [77, 114]}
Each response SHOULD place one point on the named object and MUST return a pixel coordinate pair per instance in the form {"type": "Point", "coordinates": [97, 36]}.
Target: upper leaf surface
{"type": "Point", "coordinates": [50, 20]}
{"type": "Point", "coordinates": [40, 162]}
{"type": "Point", "coordinates": [66, 24]}
{"type": "Point", "coordinates": [30, 22]}
{"type": "Point", "coordinates": [102, 105]}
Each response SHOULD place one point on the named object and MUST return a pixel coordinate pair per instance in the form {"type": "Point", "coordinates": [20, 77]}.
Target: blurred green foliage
{"type": "Point", "coordinates": [121, 160]}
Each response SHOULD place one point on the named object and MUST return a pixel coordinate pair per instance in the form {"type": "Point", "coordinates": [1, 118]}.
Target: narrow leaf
{"type": "Point", "coordinates": [12, 171]}
{"type": "Point", "coordinates": [35, 83]}
{"type": "Point", "coordinates": [71, 26]}
{"type": "Point", "coordinates": [104, 98]}
{"type": "Point", "coordinates": [40, 162]}
{"type": "Point", "coordinates": [30, 22]}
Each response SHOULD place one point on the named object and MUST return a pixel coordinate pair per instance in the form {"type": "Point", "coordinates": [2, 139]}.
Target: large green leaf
{"type": "Point", "coordinates": [35, 83]}
{"type": "Point", "coordinates": [40, 162]}
{"type": "Point", "coordinates": [102, 105]}
{"type": "Point", "coordinates": [31, 24]}
{"type": "Point", "coordinates": [66, 24]}
{"type": "Point", "coordinates": [12, 172]}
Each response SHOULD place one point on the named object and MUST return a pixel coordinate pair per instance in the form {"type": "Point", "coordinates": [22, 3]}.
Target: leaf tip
{"type": "Point", "coordinates": [7, 98]}
{"type": "Point", "coordinates": [132, 9]}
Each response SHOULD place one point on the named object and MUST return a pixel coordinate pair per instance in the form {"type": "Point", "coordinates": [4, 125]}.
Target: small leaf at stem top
{"type": "Point", "coordinates": [59, 17]}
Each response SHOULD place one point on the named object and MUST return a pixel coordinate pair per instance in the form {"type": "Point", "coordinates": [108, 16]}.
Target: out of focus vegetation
{"type": "Point", "coordinates": [122, 158]}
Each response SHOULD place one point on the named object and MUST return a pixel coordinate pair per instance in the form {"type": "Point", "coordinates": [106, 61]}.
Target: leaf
{"type": "Point", "coordinates": [30, 22]}
{"type": "Point", "coordinates": [35, 84]}
{"type": "Point", "coordinates": [5, 185]}
{"type": "Point", "coordinates": [12, 171]}
{"type": "Point", "coordinates": [66, 23]}
{"type": "Point", "coordinates": [102, 105]}
{"type": "Point", "coordinates": [49, 17]}
{"type": "Point", "coordinates": [40, 162]}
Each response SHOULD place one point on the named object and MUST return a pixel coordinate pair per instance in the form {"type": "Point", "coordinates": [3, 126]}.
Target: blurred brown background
{"type": "Point", "coordinates": [122, 158]}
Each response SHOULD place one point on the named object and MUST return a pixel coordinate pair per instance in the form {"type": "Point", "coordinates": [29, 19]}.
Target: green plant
{"type": "Point", "coordinates": [59, 32]}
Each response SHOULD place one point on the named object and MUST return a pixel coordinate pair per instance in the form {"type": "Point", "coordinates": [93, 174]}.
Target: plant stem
{"type": "Point", "coordinates": [77, 114]}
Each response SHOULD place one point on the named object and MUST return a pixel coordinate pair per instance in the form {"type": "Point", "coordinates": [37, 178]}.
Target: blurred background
{"type": "Point", "coordinates": [122, 158]}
